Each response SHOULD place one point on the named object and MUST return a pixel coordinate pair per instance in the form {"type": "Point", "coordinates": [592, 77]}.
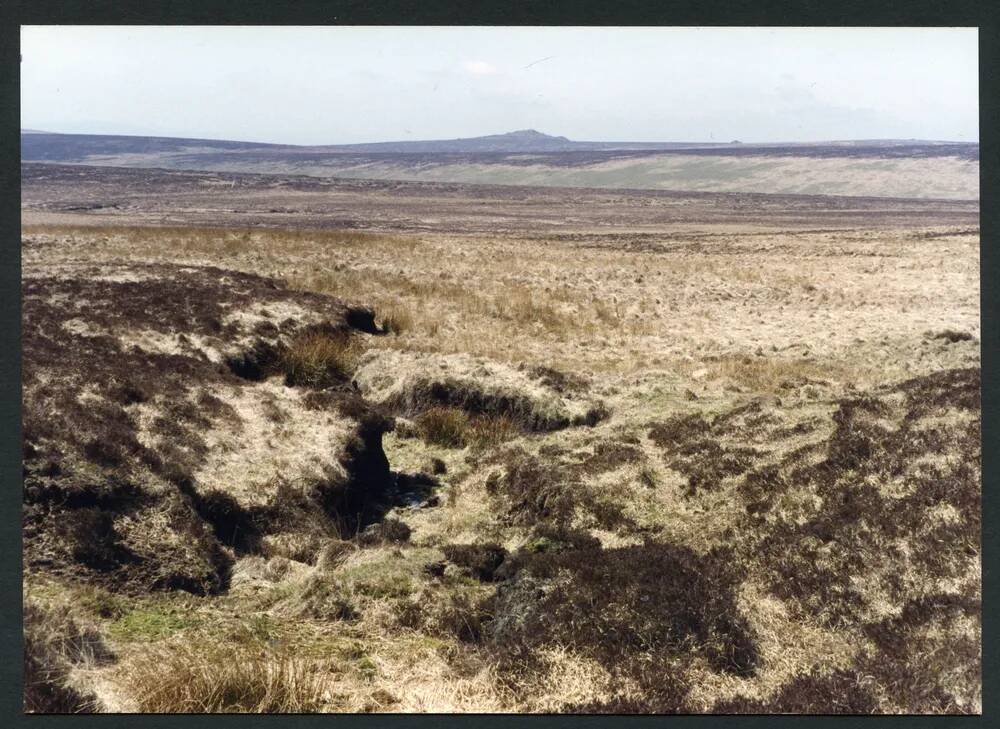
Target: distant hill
{"type": "Point", "coordinates": [523, 140]}
{"type": "Point", "coordinates": [45, 146]}
{"type": "Point", "coordinates": [892, 168]}
{"type": "Point", "coordinates": [52, 146]}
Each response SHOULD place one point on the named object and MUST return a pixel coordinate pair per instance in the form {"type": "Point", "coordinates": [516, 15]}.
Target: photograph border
{"type": "Point", "coordinates": [965, 13]}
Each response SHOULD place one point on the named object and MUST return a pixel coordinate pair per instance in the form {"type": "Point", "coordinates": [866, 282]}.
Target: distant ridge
{"type": "Point", "coordinates": [42, 145]}
{"type": "Point", "coordinates": [521, 140]}
{"type": "Point", "coordinates": [531, 157]}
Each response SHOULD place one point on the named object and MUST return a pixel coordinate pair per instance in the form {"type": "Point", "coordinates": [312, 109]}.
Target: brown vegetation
{"type": "Point", "coordinates": [645, 461]}
{"type": "Point", "coordinates": [444, 426]}
{"type": "Point", "coordinates": [318, 359]}
{"type": "Point", "coordinates": [54, 643]}
{"type": "Point", "coordinates": [186, 680]}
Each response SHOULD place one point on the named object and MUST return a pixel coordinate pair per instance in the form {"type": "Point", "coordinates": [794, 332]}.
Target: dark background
{"type": "Point", "coordinates": [13, 13]}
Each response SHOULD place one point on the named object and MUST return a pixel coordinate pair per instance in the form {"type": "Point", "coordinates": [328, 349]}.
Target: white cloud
{"type": "Point", "coordinates": [479, 67]}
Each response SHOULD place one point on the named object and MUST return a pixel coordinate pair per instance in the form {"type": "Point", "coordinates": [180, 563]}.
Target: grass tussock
{"type": "Point", "coordinates": [396, 319]}
{"type": "Point", "coordinates": [952, 336]}
{"type": "Point", "coordinates": [185, 680]}
{"type": "Point", "coordinates": [319, 359]}
{"type": "Point", "coordinates": [770, 374]}
{"type": "Point", "coordinates": [527, 307]}
{"type": "Point", "coordinates": [481, 560]}
{"type": "Point", "coordinates": [444, 426]}
{"type": "Point", "coordinates": [486, 431]}
{"type": "Point", "coordinates": [54, 643]}
{"type": "Point", "coordinates": [452, 427]}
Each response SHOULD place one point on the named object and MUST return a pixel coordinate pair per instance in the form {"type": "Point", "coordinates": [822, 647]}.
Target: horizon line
{"type": "Point", "coordinates": [23, 130]}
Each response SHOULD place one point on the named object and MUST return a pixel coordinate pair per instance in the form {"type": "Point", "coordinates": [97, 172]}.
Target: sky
{"type": "Point", "coordinates": [340, 85]}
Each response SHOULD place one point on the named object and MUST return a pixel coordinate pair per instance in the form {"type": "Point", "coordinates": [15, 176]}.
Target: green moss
{"type": "Point", "coordinates": [367, 668]}
{"type": "Point", "coordinates": [396, 575]}
{"type": "Point", "coordinates": [150, 624]}
{"type": "Point", "coordinates": [541, 545]}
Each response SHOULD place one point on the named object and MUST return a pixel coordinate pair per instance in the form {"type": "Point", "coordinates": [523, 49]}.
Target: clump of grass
{"type": "Point", "coordinates": [648, 477]}
{"type": "Point", "coordinates": [224, 680]}
{"type": "Point", "coordinates": [319, 359]}
{"type": "Point", "coordinates": [951, 335]}
{"type": "Point", "coordinates": [609, 316]}
{"type": "Point", "coordinates": [771, 374]}
{"type": "Point", "coordinates": [481, 560]}
{"type": "Point", "coordinates": [54, 641]}
{"type": "Point", "coordinates": [490, 430]}
{"type": "Point", "coordinates": [324, 598]}
{"type": "Point", "coordinates": [433, 328]}
{"type": "Point", "coordinates": [388, 530]}
{"type": "Point", "coordinates": [522, 306]}
{"type": "Point", "coordinates": [237, 243]}
{"type": "Point", "coordinates": [444, 426]}
{"type": "Point", "coordinates": [450, 614]}
{"type": "Point", "coordinates": [396, 319]}
{"type": "Point", "coordinates": [257, 630]}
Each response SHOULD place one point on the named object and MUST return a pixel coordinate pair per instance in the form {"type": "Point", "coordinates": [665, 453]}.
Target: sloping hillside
{"type": "Point", "coordinates": [885, 168]}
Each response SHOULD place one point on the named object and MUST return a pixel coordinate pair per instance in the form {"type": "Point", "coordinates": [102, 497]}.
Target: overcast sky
{"type": "Point", "coordinates": [364, 84]}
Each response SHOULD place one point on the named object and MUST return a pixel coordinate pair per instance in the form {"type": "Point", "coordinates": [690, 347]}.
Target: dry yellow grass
{"type": "Point", "coordinates": [763, 374]}
{"type": "Point", "coordinates": [57, 644]}
{"type": "Point", "coordinates": [444, 426]}
{"type": "Point", "coordinates": [182, 680]}
{"type": "Point", "coordinates": [600, 309]}
{"type": "Point", "coordinates": [492, 430]}
{"type": "Point", "coordinates": [395, 318]}
{"type": "Point", "coordinates": [319, 358]}
{"type": "Point", "coordinates": [693, 330]}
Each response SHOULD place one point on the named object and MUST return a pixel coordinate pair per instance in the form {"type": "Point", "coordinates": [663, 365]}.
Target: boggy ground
{"type": "Point", "coordinates": [83, 194]}
{"type": "Point", "coordinates": [656, 470]}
